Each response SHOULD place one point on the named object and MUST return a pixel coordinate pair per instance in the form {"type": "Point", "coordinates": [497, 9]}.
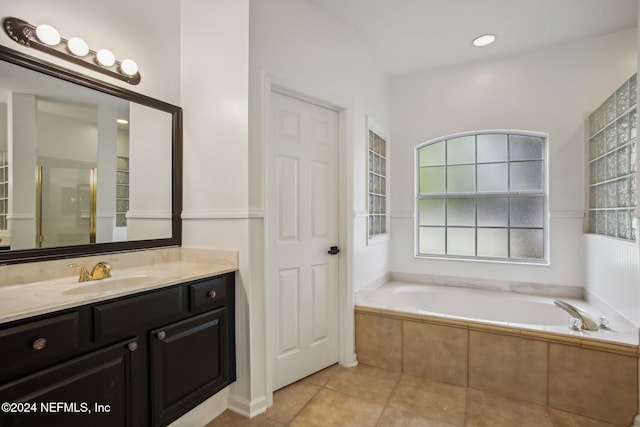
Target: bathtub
{"type": "Point", "coordinates": [506, 309]}
{"type": "Point", "coordinates": [508, 344]}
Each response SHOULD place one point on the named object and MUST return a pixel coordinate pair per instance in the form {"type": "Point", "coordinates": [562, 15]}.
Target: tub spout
{"type": "Point", "coordinates": [587, 322]}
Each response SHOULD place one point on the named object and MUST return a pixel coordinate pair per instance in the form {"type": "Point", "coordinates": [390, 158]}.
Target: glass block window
{"type": "Point", "coordinates": [482, 195]}
{"type": "Point", "coordinates": [612, 164]}
{"type": "Point", "coordinates": [377, 207]}
{"type": "Point", "coordinates": [122, 191]}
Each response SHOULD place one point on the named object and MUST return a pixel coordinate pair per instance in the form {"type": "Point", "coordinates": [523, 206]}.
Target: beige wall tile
{"type": "Point", "coordinates": [429, 399]}
{"type": "Point", "coordinates": [491, 410]}
{"type": "Point", "coordinates": [507, 365]}
{"type": "Point", "coordinates": [378, 341]}
{"type": "Point", "coordinates": [593, 383]}
{"type": "Point", "coordinates": [435, 352]}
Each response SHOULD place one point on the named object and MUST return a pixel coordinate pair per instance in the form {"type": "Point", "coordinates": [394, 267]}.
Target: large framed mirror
{"type": "Point", "coordinates": [86, 167]}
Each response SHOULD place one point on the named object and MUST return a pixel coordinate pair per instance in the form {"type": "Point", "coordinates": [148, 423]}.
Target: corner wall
{"type": "Point", "coordinates": [612, 266]}
{"type": "Point", "coordinates": [548, 90]}
{"type": "Point", "coordinates": [305, 49]}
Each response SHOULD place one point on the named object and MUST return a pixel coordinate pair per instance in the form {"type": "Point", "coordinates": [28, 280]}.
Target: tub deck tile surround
{"type": "Point", "coordinates": [380, 340]}
{"type": "Point", "coordinates": [435, 351]}
{"type": "Point", "coordinates": [541, 368]}
{"type": "Point", "coordinates": [595, 383]}
{"type": "Point", "coordinates": [511, 366]}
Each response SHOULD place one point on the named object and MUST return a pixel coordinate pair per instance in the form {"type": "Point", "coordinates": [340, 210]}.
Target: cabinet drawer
{"type": "Point", "coordinates": [38, 342]}
{"type": "Point", "coordinates": [208, 294]}
{"type": "Point", "coordinates": [121, 317]}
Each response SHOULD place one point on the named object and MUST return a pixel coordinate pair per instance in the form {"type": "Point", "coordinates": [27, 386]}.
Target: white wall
{"type": "Point", "coordinates": [302, 46]}
{"type": "Point", "coordinates": [549, 90]}
{"type": "Point", "coordinates": [612, 265]}
{"type": "Point", "coordinates": [214, 55]}
{"type": "Point", "coordinates": [298, 45]}
{"type": "Point", "coordinates": [146, 31]}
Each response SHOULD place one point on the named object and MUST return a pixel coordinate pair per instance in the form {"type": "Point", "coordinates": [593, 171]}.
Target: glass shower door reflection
{"type": "Point", "coordinates": [66, 211]}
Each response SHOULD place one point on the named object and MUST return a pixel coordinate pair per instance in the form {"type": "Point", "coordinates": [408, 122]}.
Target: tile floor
{"type": "Point", "coordinates": [368, 396]}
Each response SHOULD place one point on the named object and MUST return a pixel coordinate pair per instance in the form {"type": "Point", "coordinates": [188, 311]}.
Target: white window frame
{"type": "Point", "coordinates": [546, 210]}
{"type": "Point", "coordinates": [374, 127]}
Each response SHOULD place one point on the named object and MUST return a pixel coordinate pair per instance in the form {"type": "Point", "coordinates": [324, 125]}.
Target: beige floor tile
{"type": "Point", "coordinates": [491, 410]}
{"type": "Point", "coordinates": [435, 352]}
{"type": "Point", "coordinates": [231, 419]}
{"type": "Point", "coordinates": [510, 366]}
{"type": "Point", "coordinates": [394, 417]}
{"type": "Point", "coordinates": [322, 377]}
{"type": "Point", "coordinates": [379, 341]}
{"type": "Point", "coordinates": [289, 401]}
{"type": "Point", "coordinates": [332, 408]}
{"type": "Point", "coordinates": [596, 384]}
{"type": "Point", "coordinates": [430, 399]}
{"type": "Point", "coordinates": [565, 419]}
{"type": "Point", "coordinates": [368, 382]}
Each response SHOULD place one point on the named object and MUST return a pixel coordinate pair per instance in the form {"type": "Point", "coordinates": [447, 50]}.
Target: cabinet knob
{"type": "Point", "coordinates": [132, 346]}
{"type": "Point", "coordinates": [161, 335]}
{"type": "Point", "coordinates": [212, 294]}
{"type": "Point", "coordinates": [40, 343]}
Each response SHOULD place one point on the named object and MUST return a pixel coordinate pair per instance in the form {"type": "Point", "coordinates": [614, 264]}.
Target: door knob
{"type": "Point", "coordinates": [333, 250]}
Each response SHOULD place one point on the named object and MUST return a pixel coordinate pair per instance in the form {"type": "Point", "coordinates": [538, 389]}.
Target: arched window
{"type": "Point", "coordinates": [483, 195]}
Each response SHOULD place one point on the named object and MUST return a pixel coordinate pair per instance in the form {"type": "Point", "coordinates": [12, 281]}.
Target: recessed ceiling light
{"type": "Point", "coordinates": [484, 40]}
{"type": "Point", "coordinates": [123, 121]}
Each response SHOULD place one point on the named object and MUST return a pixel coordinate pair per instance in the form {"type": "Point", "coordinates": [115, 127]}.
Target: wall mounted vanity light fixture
{"type": "Point", "coordinates": [47, 39]}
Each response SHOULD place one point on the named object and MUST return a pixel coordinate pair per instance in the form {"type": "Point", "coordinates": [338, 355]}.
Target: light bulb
{"type": "Point", "coordinates": [484, 40]}
{"type": "Point", "coordinates": [77, 46]}
{"type": "Point", "coordinates": [129, 67]}
{"type": "Point", "coordinates": [48, 35]}
{"type": "Point", "coordinates": [105, 57]}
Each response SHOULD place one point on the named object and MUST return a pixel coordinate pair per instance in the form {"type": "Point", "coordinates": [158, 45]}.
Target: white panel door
{"type": "Point", "coordinates": [303, 225]}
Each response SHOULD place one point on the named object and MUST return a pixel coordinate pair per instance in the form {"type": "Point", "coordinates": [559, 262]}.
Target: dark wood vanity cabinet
{"type": "Point", "coordinates": [144, 359]}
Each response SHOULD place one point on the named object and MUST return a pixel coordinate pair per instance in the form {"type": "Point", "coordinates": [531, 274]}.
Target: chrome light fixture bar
{"type": "Point", "coordinates": [45, 38]}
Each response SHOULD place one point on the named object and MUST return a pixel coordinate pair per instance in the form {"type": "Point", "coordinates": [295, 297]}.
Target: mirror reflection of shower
{"type": "Point", "coordinates": [66, 143]}
{"type": "Point", "coordinates": [66, 157]}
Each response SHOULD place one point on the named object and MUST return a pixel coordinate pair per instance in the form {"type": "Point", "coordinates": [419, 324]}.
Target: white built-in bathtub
{"type": "Point", "coordinates": [508, 309]}
{"type": "Point", "coordinates": [506, 343]}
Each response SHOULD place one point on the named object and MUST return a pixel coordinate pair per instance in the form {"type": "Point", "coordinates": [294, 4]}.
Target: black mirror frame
{"type": "Point", "coordinates": [45, 254]}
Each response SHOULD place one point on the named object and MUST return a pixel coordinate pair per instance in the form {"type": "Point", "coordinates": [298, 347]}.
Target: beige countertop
{"type": "Point", "coordinates": [31, 299]}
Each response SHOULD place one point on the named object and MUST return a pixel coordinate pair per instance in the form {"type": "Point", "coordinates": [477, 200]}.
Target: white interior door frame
{"type": "Point", "coordinates": [272, 84]}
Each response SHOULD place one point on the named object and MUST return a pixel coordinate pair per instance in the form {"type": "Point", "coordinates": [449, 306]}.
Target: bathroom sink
{"type": "Point", "coordinates": [113, 284]}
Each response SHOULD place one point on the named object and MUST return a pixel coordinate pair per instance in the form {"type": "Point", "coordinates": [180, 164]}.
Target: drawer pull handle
{"type": "Point", "coordinates": [212, 294]}
{"type": "Point", "coordinates": [161, 335]}
{"type": "Point", "coordinates": [132, 346]}
{"type": "Point", "coordinates": [40, 343]}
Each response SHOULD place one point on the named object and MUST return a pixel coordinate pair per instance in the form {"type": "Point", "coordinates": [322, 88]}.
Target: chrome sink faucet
{"type": "Point", "coordinates": [101, 270]}
{"type": "Point", "coordinates": [586, 322]}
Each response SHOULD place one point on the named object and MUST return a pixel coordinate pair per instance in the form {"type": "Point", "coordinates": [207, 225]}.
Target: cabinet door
{"type": "Point", "coordinates": [189, 362]}
{"type": "Point", "coordinates": [98, 389]}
